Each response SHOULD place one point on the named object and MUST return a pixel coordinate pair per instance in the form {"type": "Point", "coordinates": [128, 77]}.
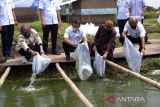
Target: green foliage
{"type": "Point", "coordinates": [150, 15]}
{"type": "Point", "coordinates": [153, 9]}
{"type": "Point", "coordinates": [152, 26]}
{"type": "Point", "coordinates": [36, 25]}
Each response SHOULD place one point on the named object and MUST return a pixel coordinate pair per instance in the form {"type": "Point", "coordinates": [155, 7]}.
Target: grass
{"type": "Point", "coordinates": [37, 26]}
{"type": "Point", "coordinates": [151, 26]}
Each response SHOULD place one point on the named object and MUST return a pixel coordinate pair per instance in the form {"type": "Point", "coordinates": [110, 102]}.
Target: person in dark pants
{"type": "Point", "coordinates": [104, 41]}
{"type": "Point", "coordinates": [137, 33]}
{"type": "Point", "coordinates": [29, 43]}
{"type": "Point", "coordinates": [7, 22]}
{"type": "Point", "coordinates": [50, 19]}
{"type": "Point", "coordinates": [123, 14]}
{"type": "Point", "coordinates": [72, 37]}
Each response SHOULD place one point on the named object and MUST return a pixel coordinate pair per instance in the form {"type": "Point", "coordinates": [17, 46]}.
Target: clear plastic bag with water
{"type": "Point", "coordinates": [99, 64]}
{"type": "Point", "coordinates": [132, 55]}
{"type": "Point", "coordinates": [158, 19]}
{"type": "Point", "coordinates": [40, 63]}
{"type": "Point", "coordinates": [83, 64]}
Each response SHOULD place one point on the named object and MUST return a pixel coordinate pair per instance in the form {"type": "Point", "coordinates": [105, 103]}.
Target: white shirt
{"type": "Point", "coordinates": [50, 8]}
{"type": "Point", "coordinates": [74, 35]}
{"type": "Point", "coordinates": [135, 33]}
{"type": "Point", "coordinates": [6, 14]}
{"type": "Point", "coordinates": [123, 9]}
{"type": "Point", "coordinates": [137, 7]}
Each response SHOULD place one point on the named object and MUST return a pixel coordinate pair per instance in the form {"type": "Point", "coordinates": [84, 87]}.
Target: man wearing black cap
{"type": "Point", "coordinates": [72, 37]}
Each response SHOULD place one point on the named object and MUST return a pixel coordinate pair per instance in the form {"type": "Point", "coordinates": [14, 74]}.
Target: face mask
{"type": "Point", "coordinates": [75, 29]}
{"type": "Point", "coordinates": [133, 27]}
{"type": "Point", "coordinates": [26, 34]}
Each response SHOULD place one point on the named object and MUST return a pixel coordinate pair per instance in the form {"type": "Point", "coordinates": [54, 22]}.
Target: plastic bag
{"type": "Point", "coordinates": [158, 20]}
{"type": "Point", "coordinates": [40, 63]}
{"type": "Point", "coordinates": [83, 64]}
{"type": "Point", "coordinates": [99, 64]}
{"type": "Point", "coordinates": [132, 55]}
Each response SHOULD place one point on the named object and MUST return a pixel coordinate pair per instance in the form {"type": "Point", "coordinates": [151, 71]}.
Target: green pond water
{"type": "Point", "coordinates": [56, 93]}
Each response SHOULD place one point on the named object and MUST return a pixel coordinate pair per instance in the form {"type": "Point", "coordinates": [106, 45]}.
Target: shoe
{"type": "Point", "coordinates": [6, 57]}
{"type": "Point", "coordinates": [56, 53]}
{"type": "Point", "coordinates": [46, 53]}
{"type": "Point", "coordinates": [3, 60]}
{"type": "Point", "coordinates": [68, 58]}
{"type": "Point", "coordinates": [24, 60]}
{"type": "Point", "coordinates": [148, 42]}
{"type": "Point", "coordinates": [11, 57]}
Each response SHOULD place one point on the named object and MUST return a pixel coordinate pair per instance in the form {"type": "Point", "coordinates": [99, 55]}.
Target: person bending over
{"type": "Point", "coordinates": [104, 41]}
{"type": "Point", "coordinates": [29, 43]}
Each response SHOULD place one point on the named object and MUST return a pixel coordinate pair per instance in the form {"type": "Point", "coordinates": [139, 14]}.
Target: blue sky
{"type": "Point", "coordinates": [153, 3]}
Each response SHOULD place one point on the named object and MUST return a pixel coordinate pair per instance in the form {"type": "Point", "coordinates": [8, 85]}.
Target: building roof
{"type": "Point", "coordinates": [64, 2]}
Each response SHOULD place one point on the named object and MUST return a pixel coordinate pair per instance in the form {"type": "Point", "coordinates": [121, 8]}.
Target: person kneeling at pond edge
{"type": "Point", "coordinates": [137, 33]}
{"type": "Point", "coordinates": [104, 41]}
{"type": "Point", "coordinates": [72, 37]}
{"type": "Point", "coordinates": [29, 43]}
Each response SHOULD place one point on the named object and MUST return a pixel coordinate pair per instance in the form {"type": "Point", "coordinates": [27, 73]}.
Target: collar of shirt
{"type": "Point", "coordinates": [75, 30]}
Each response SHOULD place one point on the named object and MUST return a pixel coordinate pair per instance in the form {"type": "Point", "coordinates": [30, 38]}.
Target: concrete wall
{"type": "Point", "coordinates": [95, 11]}
{"type": "Point", "coordinates": [97, 3]}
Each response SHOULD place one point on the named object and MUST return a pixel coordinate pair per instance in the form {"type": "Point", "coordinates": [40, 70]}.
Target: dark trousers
{"type": "Point", "coordinates": [7, 39]}
{"type": "Point", "coordinates": [121, 24]}
{"type": "Point", "coordinates": [68, 48]}
{"type": "Point", "coordinates": [134, 40]}
{"type": "Point", "coordinates": [28, 55]}
{"type": "Point", "coordinates": [46, 30]}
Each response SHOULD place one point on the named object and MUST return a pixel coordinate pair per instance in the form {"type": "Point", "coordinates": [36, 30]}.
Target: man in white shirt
{"type": "Point", "coordinates": [72, 37]}
{"type": "Point", "coordinates": [50, 18]}
{"type": "Point", "coordinates": [137, 33]}
{"type": "Point", "coordinates": [137, 9]}
{"type": "Point", "coordinates": [123, 14]}
{"type": "Point", "coordinates": [7, 22]}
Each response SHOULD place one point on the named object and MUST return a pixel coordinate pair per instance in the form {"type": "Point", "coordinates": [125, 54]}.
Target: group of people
{"type": "Point", "coordinates": [130, 18]}
{"type": "Point", "coordinates": [29, 42]}
{"type": "Point", "coordinates": [130, 21]}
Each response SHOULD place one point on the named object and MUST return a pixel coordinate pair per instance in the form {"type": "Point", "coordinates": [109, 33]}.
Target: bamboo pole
{"type": "Point", "coordinates": [4, 76]}
{"type": "Point", "coordinates": [139, 76]}
{"type": "Point", "coordinates": [84, 100]}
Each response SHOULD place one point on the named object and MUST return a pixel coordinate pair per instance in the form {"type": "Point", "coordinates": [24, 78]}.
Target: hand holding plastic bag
{"type": "Point", "coordinates": [99, 64]}
{"type": "Point", "coordinates": [83, 64]}
{"type": "Point", "coordinates": [40, 63]}
{"type": "Point", "coordinates": [132, 55]}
